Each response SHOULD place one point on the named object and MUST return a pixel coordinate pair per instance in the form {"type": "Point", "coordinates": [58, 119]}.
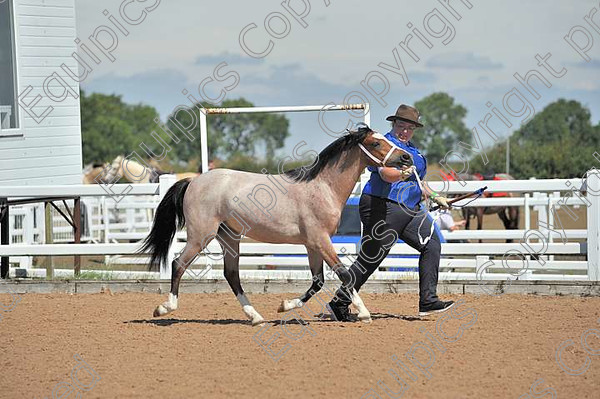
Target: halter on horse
{"type": "Point", "coordinates": [301, 206]}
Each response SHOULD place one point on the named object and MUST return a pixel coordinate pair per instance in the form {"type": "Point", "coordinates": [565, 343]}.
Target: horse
{"type": "Point", "coordinates": [91, 172]}
{"type": "Point", "coordinates": [135, 172]}
{"type": "Point", "coordinates": [508, 214]}
{"type": "Point", "coordinates": [309, 200]}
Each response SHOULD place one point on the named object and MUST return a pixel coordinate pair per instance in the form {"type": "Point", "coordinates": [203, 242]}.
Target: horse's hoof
{"type": "Point", "coordinates": [281, 307]}
{"type": "Point", "coordinates": [289, 304]}
{"type": "Point", "coordinates": [365, 318]}
{"type": "Point", "coordinates": [160, 311]}
{"type": "Point", "coordinates": [258, 321]}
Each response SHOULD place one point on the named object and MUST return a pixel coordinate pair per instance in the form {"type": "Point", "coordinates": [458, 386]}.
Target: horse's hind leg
{"type": "Point", "coordinates": [315, 261]}
{"type": "Point", "coordinates": [231, 259]}
{"type": "Point", "coordinates": [199, 233]}
{"type": "Point", "coordinates": [178, 268]}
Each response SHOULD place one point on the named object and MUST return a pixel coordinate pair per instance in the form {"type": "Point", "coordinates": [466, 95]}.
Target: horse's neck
{"type": "Point", "coordinates": [341, 177]}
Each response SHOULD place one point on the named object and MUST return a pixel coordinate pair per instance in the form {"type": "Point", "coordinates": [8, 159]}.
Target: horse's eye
{"type": "Point", "coordinates": [376, 144]}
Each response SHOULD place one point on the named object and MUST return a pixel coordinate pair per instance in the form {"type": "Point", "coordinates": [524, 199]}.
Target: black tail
{"type": "Point", "coordinates": [169, 217]}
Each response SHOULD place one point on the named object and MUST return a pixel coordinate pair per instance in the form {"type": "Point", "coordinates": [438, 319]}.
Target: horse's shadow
{"type": "Point", "coordinates": [320, 318]}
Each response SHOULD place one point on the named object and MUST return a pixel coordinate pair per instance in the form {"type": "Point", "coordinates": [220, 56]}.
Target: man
{"type": "Point", "coordinates": [390, 202]}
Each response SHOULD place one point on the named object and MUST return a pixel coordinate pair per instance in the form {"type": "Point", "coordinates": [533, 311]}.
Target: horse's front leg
{"type": "Point", "coordinates": [348, 279]}
{"type": "Point", "coordinates": [315, 262]}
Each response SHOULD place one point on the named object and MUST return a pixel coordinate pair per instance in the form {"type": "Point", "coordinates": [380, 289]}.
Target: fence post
{"type": "Point", "coordinates": [203, 141]}
{"type": "Point", "coordinates": [593, 224]}
{"type": "Point", "coordinates": [4, 235]}
{"type": "Point", "coordinates": [77, 233]}
{"type": "Point", "coordinates": [28, 233]}
{"type": "Point", "coordinates": [48, 231]}
{"type": "Point", "coordinates": [165, 182]}
{"type": "Point", "coordinates": [367, 114]}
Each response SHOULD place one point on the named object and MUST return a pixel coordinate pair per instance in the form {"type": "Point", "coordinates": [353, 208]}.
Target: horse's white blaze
{"type": "Point", "coordinates": [289, 304]}
{"type": "Point", "coordinates": [363, 313]}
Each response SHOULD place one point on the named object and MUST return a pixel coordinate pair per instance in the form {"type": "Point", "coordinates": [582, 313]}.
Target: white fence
{"type": "Point", "coordinates": [110, 224]}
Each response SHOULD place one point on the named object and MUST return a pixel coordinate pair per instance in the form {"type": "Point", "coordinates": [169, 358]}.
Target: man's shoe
{"type": "Point", "coordinates": [341, 313]}
{"type": "Point", "coordinates": [436, 307]}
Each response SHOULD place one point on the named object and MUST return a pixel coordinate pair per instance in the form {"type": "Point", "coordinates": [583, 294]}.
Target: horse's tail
{"type": "Point", "coordinates": [169, 217]}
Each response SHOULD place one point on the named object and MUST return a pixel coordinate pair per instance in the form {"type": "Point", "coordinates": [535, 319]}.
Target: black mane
{"type": "Point", "coordinates": [330, 154]}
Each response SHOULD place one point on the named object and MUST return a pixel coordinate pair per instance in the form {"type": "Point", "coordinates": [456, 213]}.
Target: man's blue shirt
{"type": "Point", "coordinates": [408, 192]}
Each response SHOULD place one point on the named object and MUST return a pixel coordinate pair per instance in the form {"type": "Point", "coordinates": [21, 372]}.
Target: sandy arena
{"type": "Point", "coordinates": [206, 349]}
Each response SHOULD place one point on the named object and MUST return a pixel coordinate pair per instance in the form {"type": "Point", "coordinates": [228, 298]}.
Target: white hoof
{"type": "Point", "coordinates": [166, 307]}
{"type": "Point", "coordinates": [365, 318]}
{"type": "Point", "coordinates": [363, 313]}
{"type": "Point", "coordinates": [253, 315]}
{"type": "Point", "coordinates": [289, 304]}
{"type": "Point", "coordinates": [161, 311]}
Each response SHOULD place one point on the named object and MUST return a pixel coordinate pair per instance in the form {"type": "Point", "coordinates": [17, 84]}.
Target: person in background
{"type": "Point", "coordinates": [445, 221]}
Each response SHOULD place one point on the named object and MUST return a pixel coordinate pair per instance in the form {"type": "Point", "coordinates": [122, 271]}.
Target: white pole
{"type": "Point", "coordinates": [508, 155]}
{"type": "Point", "coordinates": [365, 175]}
{"type": "Point", "coordinates": [527, 213]}
{"type": "Point", "coordinates": [203, 142]}
{"type": "Point", "coordinates": [298, 108]}
{"type": "Point", "coordinates": [593, 224]}
{"type": "Point", "coordinates": [368, 114]}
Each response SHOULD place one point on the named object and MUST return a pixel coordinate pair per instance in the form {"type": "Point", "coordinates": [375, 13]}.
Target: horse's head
{"type": "Point", "coordinates": [380, 151]}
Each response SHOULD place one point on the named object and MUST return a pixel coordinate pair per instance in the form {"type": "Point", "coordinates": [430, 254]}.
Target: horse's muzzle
{"type": "Point", "coordinates": [401, 159]}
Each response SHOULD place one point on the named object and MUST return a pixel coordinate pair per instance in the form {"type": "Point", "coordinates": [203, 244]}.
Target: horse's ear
{"type": "Point", "coordinates": [362, 127]}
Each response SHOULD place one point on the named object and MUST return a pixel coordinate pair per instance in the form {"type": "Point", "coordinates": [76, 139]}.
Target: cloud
{"type": "Point", "coordinates": [593, 64]}
{"type": "Point", "coordinates": [462, 61]}
{"type": "Point", "coordinates": [421, 77]}
{"type": "Point", "coordinates": [230, 58]}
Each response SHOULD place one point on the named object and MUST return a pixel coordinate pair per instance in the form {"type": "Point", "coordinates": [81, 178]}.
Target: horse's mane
{"type": "Point", "coordinates": [329, 155]}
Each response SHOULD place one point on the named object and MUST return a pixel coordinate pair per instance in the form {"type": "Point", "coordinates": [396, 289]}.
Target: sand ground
{"type": "Point", "coordinates": [489, 347]}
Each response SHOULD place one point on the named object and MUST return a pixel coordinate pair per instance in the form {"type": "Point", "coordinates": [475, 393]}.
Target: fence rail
{"type": "Point", "coordinates": [129, 217]}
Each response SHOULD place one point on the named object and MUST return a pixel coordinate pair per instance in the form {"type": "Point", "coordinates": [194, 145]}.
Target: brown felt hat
{"type": "Point", "coordinates": [406, 113]}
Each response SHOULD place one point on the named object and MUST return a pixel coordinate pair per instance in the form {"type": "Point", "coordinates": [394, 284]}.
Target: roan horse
{"type": "Point", "coordinates": [508, 214]}
{"type": "Point", "coordinates": [305, 210]}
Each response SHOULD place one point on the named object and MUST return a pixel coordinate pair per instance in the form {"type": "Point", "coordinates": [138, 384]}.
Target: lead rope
{"type": "Point", "coordinates": [478, 193]}
{"type": "Point", "coordinates": [425, 240]}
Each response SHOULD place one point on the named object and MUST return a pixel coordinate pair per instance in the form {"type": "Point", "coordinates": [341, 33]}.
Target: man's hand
{"type": "Point", "coordinates": [441, 201]}
{"type": "Point", "coordinates": [392, 175]}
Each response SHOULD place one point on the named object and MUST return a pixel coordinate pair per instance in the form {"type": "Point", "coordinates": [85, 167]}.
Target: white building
{"type": "Point", "coordinates": [40, 129]}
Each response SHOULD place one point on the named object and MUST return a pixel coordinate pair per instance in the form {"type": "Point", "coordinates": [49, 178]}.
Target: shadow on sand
{"type": "Point", "coordinates": [320, 318]}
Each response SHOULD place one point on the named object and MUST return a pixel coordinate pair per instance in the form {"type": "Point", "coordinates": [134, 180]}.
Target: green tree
{"type": "Point", "coordinates": [110, 127]}
{"type": "Point", "coordinates": [444, 126]}
{"type": "Point", "coordinates": [558, 142]}
{"type": "Point", "coordinates": [233, 137]}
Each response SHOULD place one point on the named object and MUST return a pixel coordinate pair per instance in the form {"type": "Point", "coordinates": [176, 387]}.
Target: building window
{"type": "Point", "coordinates": [8, 68]}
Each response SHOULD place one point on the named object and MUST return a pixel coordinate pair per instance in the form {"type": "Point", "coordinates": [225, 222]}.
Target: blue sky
{"type": "Point", "coordinates": [181, 42]}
